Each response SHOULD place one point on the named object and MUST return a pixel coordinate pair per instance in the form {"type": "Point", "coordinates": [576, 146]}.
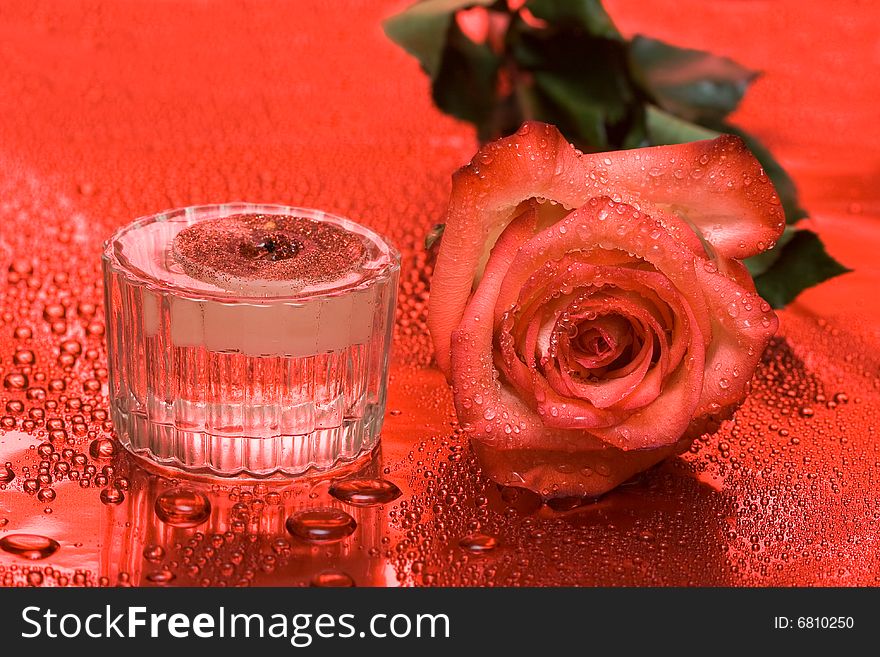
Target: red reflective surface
{"type": "Point", "coordinates": [117, 110]}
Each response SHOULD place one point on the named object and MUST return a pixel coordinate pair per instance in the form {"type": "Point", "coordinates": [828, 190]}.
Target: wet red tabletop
{"type": "Point", "coordinates": [117, 110]}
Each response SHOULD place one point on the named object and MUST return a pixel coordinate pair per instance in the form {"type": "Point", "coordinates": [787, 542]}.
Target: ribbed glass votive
{"type": "Point", "coordinates": [249, 339]}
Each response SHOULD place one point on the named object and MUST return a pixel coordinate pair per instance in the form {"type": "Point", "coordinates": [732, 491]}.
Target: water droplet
{"type": "Point", "coordinates": [321, 525]}
{"type": "Point", "coordinates": [478, 543]}
{"type": "Point", "coordinates": [46, 494]}
{"type": "Point", "coordinates": [102, 448]}
{"type": "Point", "coordinates": [154, 552]}
{"type": "Point", "coordinates": [163, 576]}
{"type": "Point", "coordinates": [112, 496]}
{"type": "Point", "coordinates": [24, 357]}
{"type": "Point", "coordinates": [29, 546]}
{"type": "Point", "coordinates": [182, 507]}
{"type": "Point", "coordinates": [332, 579]}
{"type": "Point", "coordinates": [6, 474]}
{"type": "Point", "coordinates": [365, 492]}
{"type": "Point", "coordinates": [15, 381]}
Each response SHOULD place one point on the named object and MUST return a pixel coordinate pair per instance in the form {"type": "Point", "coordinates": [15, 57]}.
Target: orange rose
{"type": "Point", "coordinates": [591, 310]}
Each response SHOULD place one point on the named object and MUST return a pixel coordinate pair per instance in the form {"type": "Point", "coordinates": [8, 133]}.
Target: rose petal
{"type": "Point", "coordinates": [626, 388]}
{"type": "Point", "coordinates": [560, 464]}
{"type": "Point", "coordinates": [613, 227]}
{"type": "Point", "coordinates": [742, 325]}
{"type": "Point", "coordinates": [482, 405]}
{"type": "Point", "coordinates": [716, 186]}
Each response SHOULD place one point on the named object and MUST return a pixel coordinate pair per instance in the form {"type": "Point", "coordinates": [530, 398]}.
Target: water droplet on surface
{"type": "Point", "coordinates": [332, 579]}
{"type": "Point", "coordinates": [23, 357]}
{"type": "Point", "coordinates": [15, 381]}
{"type": "Point", "coordinates": [46, 494]}
{"type": "Point", "coordinates": [321, 525]}
{"type": "Point", "coordinates": [112, 496]}
{"type": "Point", "coordinates": [365, 492]}
{"type": "Point", "coordinates": [163, 576]}
{"type": "Point", "coordinates": [182, 507]}
{"type": "Point", "coordinates": [154, 553]}
{"type": "Point", "coordinates": [29, 546]}
{"type": "Point", "coordinates": [6, 474]}
{"type": "Point", "coordinates": [478, 543]}
{"type": "Point", "coordinates": [102, 448]}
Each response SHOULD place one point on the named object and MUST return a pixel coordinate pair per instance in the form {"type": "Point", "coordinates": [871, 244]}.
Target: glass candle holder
{"type": "Point", "coordinates": [249, 339]}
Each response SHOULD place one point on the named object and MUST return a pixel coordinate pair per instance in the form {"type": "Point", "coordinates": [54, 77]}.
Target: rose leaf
{"type": "Point", "coordinates": [801, 262]}
{"type": "Point", "coordinates": [422, 29]}
{"type": "Point", "coordinates": [589, 15]}
{"type": "Point", "coordinates": [466, 81]}
{"type": "Point", "coordinates": [692, 84]}
{"type": "Point", "coordinates": [580, 84]}
{"type": "Point", "coordinates": [760, 263]}
{"type": "Point", "coordinates": [664, 128]}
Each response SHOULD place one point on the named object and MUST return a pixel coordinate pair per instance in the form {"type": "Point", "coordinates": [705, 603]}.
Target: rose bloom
{"type": "Point", "coordinates": [591, 310]}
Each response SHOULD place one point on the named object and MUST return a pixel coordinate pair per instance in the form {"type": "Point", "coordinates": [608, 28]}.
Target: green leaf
{"type": "Point", "coordinates": [590, 15]}
{"type": "Point", "coordinates": [665, 128]}
{"type": "Point", "coordinates": [760, 263]}
{"type": "Point", "coordinates": [580, 84]}
{"type": "Point", "coordinates": [801, 262]}
{"type": "Point", "coordinates": [466, 81]}
{"type": "Point", "coordinates": [783, 183]}
{"type": "Point", "coordinates": [637, 136]}
{"type": "Point", "coordinates": [694, 85]}
{"type": "Point", "coordinates": [581, 110]}
{"type": "Point", "coordinates": [421, 30]}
